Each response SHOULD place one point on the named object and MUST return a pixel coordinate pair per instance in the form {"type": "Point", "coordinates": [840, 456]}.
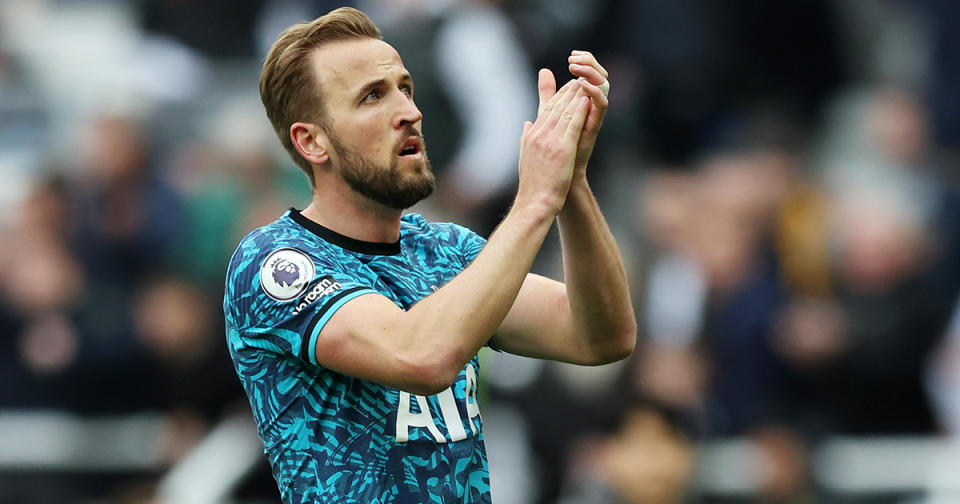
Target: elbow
{"type": "Point", "coordinates": [620, 348]}
{"type": "Point", "coordinates": [628, 339]}
{"type": "Point", "coordinates": [427, 375]}
{"type": "Point", "coordinates": [618, 345]}
{"type": "Point", "coordinates": [428, 386]}
{"type": "Point", "coordinates": [625, 345]}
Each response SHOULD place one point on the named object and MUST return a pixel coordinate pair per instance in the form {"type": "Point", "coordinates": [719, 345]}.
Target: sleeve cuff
{"type": "Point", "coordinates": [320, 319]}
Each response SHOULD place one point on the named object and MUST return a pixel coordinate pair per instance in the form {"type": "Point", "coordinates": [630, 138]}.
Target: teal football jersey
{"type": "Point", "coordinates": [329, 437]}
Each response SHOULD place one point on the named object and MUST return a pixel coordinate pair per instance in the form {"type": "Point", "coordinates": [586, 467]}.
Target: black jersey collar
{"type": "Point", "coordinates": [329, 235]}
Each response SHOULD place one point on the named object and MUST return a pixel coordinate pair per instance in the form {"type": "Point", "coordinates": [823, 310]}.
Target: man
{"type": "Point", "coordinates": [355, 329]}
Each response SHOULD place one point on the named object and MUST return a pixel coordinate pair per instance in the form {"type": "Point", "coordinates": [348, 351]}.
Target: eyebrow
{"type": "Point", "coordinates": [370, 86]}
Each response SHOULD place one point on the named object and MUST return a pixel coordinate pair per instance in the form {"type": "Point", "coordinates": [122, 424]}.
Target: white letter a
{"type": "Point", "coordinates": [407, 418]}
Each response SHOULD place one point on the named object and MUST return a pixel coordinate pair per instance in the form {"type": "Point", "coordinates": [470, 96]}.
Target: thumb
{"type": "Point", "coordinates": [546, 87]}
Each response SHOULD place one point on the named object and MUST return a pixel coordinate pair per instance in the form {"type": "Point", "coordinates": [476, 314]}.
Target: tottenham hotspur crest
{"type": "Point", "coordinates": [285, 274]}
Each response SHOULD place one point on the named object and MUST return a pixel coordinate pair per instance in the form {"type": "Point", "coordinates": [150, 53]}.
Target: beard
{"type": "Point", "coordinates": [382, 183]}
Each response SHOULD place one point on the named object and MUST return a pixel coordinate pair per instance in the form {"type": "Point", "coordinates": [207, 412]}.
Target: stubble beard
{"type": "Point", "coordinates": [381, 183]}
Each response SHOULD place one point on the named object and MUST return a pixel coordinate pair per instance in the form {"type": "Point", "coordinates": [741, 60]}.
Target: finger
{"type": "Point", "coordinates": [587, 72]}
{"type": "Point", "coordinates": [578, 118]}
{"type": "Point", "coordinates": [548, 114]}
{"type": "Point", "coordinates": [547, 87]}
{"type": "Point", "coordinates": [523, 136]}
{"type": "Point", "coordinates": [596, 94]}
{"type": "Point", "coordinates": [586, 58]}
{"type": "Point", "coordinates": [560, 108]}
{"type": "Point", "coordinates": [546, 109]}
{"type": "Point", "coordinates": [570, 108]}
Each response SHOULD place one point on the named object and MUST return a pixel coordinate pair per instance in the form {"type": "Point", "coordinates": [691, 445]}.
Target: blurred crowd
{"type": "Point", "coordinates": [781, 177]}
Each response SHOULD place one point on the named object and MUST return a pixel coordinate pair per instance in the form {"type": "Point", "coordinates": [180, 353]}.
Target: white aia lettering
{"type": "Point", "coordinates": [451, 420]}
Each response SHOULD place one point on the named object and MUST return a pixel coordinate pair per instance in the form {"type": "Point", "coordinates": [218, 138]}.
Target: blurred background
{"type": "Point", "coordinates": [781, 177]}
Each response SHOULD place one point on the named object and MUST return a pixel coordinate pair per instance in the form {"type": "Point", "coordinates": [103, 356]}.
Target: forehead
{"type": "Point", "coordinates": [346, 66]}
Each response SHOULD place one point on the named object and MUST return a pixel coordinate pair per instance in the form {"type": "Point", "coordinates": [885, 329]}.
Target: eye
{"type": "Point", "coordinates": [372, 96]}
{"type": "Point", "coordinates": [407, 89]}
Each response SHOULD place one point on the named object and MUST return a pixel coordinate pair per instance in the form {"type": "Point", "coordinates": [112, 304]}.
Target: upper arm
{"type": "Point", "coordinates": [368, 338]}
{"type": "Point", "coordinates": [314, 309]}
{"type": "Point", "coordinates": [540, 324]}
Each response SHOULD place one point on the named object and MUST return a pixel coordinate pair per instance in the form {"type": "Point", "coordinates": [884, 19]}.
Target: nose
{"type": "Point", "coordinates": [408, 113]}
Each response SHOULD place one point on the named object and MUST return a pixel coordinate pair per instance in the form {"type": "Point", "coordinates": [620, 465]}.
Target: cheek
{"type": "Point", "coordinates": [374, 140]}
{"type": "Point", "coordinates": [368, 135]}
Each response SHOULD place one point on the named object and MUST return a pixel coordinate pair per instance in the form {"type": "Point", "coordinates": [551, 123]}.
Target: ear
{"type": "Point", "coordinates": [310, 141]}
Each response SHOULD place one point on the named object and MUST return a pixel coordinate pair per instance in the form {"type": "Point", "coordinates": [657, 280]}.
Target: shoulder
{"type": "Point", "coordinates": [285, 250]}
{"type": "Point", "coordinates": [414, 222]}
{"type": "Point", "coordinates": [274, 267]}
{"type": "Point", "coordinates": [283, 233]}
{"type": "Point", "coordinates": [449, 232]}
{"type": "Point", "coordinates": [261, 241]}
{"type": "Point", "coordinates": [454, 239]}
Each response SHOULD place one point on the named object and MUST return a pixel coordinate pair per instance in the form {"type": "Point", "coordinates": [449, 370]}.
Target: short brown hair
{"type": "Point", "coordinates": [288, 88]}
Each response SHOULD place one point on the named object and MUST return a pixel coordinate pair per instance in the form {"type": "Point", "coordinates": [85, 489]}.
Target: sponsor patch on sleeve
{"type": "Point", "coordinates": [322, 288]}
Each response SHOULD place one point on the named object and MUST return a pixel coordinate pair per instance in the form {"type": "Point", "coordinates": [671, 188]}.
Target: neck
{"type": "Point", "coordinates": [337, 207]}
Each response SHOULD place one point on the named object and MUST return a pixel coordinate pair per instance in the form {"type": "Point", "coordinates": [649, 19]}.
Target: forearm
{"type": "Point", "coordinates": [458, 319]}
{"type": "Point", "coordinates": [594, 275]}
{"type": "Point", "coordinates": [421, 350]}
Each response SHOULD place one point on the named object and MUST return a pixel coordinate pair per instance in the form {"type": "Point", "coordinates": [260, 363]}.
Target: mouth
{"type": "Point", "coordinates": [411, 148]}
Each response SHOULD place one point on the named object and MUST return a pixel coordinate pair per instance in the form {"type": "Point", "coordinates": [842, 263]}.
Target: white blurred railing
{"type": "Point", "coordinates": [210, 472]}
{"type": "Point", "coordinates": [41, 441]}
{"type": "Point", "coordinates": [58, 442]}
{"type": "Point", "coordinates": [46, 440]}
{"type": "Point", "coordinates": [843, 466]}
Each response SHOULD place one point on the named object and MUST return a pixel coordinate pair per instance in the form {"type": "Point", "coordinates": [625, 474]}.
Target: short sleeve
{"type": "Point", "coordinates": [280, 299]}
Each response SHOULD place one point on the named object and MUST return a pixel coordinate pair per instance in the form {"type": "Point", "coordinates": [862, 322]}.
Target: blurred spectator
{"type": "Point", "coordinates": [194, 382]}
{"type": "Point", "coordinates": [232, 179]}
{"type": "Point", "coordinates": [41, 286]}
{"type": "Point", "coordinates": [127, 217]}
{"type": "Point", "coordinates": [647, 459]}
{"type": "Point", "coordinates": [671, 368]}
{"type": "Point", "coordinates": [785, 476]}
{"type": "Point", "coordinates": [893, 317]}
{"type": "Point", "coordinates": [745, 291]}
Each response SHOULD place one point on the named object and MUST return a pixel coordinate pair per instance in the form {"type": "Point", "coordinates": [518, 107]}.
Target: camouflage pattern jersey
{"type": "Point", "coordinates": [329, 437]}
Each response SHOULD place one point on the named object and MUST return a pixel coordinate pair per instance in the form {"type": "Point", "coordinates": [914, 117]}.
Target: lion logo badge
{"type": "Point", "coordinates": [286, 273]}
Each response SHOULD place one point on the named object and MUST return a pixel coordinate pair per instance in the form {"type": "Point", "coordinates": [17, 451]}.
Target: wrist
{"type": "Point", "coordinates": [538, 207]}
{"type": "Point", "coordinates": [579, 178]}
{"type": "Point", "coordinates": [579, 188]}
{"type": "Point", "coordinates": [579, 195]}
